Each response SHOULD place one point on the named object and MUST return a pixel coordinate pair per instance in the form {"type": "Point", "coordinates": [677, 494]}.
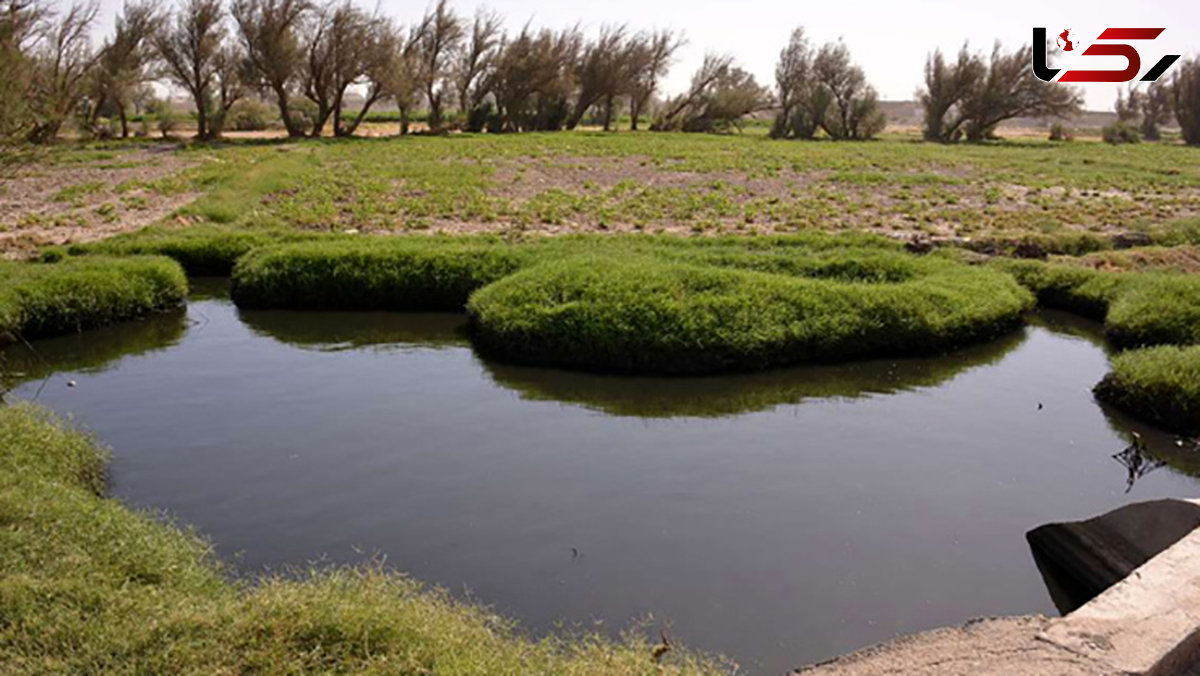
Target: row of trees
{"type": "Point", "coordinates": [305, 56]}
{"type": "Point", "coordinates": [1142, 113]}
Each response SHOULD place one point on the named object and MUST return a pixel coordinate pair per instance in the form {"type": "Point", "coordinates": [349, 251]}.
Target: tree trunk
{"type": "Point", "coordinates": [294, 130]}
{"type": "Point", "coordinates": [634, 111]}
{"type": "Point", "coordinates": [608, 111]}
{"type": "Point", "coordinates": [201, 119]}
{"type": "Point", "coordinates": [124, 120]}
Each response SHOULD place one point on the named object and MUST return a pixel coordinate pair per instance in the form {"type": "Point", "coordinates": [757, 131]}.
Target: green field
{"type": "Point", "coordinates": [673, 253]}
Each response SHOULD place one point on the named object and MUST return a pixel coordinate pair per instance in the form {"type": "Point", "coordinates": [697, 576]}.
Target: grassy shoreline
{"type": "Point", "coordinates": [40, 300]}
{"type": "Point", "coordinates": [89, 586]}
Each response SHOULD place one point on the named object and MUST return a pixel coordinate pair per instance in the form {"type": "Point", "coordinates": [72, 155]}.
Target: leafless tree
{"type": "Point", "coordinates": [476, 59]}
{"type": "Point", "coordinates": [340, 45]}
{"type": "Point", "coordinates": [386, 68]}
{"type": "Point", "coordinates": [1185, 98]}
{"type": "Point", "coordinates": [651, 56]}
{"type": "Point", "coordinates": [604, 71]}
{"type": "Point", "coordinates": [946, 85]}
{"type": "Point", "coordinates": [715, 67]}
{"type": "Point", "coordinates": [269, 31]}
{"type": "Point", "coordinates": [126, 60]}
{"type": "Point", "coordinates": [62, 62]}
{"type": "Point", "coordinates": [442, 34]}
{"type": "Point", "coordinates": [22, 25]}
{"type": "Point", "coordinates": [190, 48]}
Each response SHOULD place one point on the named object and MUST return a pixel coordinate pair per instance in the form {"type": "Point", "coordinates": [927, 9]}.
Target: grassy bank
{"type": "Point", "coordinates": [89, 586]}
{"type": "Point", "coordinates": [647, 315]}
{"type": "Point", "coordinates": [1138, 308]}
{"type": "Point", "coordinates": [38, 300]}
{"type": "Point", "coordinates": [372, 274]}
{"type": "Point", "coordinates": [1160, 385]}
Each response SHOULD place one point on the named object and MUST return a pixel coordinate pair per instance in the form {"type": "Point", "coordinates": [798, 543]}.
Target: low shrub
{"type": "Point", "coordinates": [1121, 132]}
{"type": "Point", "coordinates": [249, 115]}
{"type": "Point", "coordinates": [371, 274]}
{"type": "Point", "coordinates": [648, 315]}
{"type": "Point", "coordinates": [1061, 132]}
{"type": "Point", "coordinates": [44, 299]}
{"type": "Point", "coordinates": [1159, 384]}
{"type": "Point", "coordinates": [88, 586]}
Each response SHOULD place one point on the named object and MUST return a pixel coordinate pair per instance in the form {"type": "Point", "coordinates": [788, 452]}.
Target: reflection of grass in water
{"type": "Point", "coordinates": [332, 331]}
{"type": "Point", "coordinates": [717, 396]}
{"type": "Point", "coordinates": [94, 350]}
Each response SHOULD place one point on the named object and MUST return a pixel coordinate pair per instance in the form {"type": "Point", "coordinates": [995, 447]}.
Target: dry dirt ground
{"type": "Point", "coordinates": [79, 198]}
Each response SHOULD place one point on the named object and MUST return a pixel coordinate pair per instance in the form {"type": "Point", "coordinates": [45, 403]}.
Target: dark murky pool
{"type": "Point", "coordinates": [779, 518]}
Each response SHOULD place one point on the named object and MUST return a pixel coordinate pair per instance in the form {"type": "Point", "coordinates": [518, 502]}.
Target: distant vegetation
{"type": "Point", "coordinates": [303, 58]}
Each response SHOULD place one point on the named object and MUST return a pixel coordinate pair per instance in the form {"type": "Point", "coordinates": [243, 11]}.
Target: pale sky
{"type": "Point", "coordinates": [888, 39]}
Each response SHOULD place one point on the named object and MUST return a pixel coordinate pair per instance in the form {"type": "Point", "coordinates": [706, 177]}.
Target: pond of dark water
{"type": "Point", "coordinates": [778, 518]}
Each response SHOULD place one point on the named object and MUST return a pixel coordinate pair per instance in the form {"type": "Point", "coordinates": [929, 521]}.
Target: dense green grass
{"type": "Point", "coordinates": [1159, 384]}
{"type": "Point", "coordinates": [647, 315]}
{"type": "Point", "coordinates": [1138, 308]}
{"type": "Point", "coordinates": [38, 300]}
{"type": "Point", "coordinates": [88, 586]}
{"type": "Point", "coordinates": [378, 274]}
{"type": "Point", "coordinates": [657, 304]}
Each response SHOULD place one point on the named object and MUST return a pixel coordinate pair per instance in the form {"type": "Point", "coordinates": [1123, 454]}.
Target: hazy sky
{"type": "Point", "coordinates": [889, 39]}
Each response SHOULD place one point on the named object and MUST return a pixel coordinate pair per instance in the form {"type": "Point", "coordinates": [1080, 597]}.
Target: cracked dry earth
{"type": "Point", "coordinates": [87, 197]}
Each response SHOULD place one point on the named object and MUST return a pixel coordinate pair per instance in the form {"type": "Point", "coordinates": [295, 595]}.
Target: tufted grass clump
{"type": "Point", "coordinates": [1158, 384]}
{"type": "Point", "coordinates": [377, 274]}
{"type": "Point", "coordinates": [88, 586]}
{"type": "Point", "coordinates": [645, 314]}
{"type": "Point", "coordinates": [1138, 308]}
{"type": "Point", "coordinates": [45, 299]}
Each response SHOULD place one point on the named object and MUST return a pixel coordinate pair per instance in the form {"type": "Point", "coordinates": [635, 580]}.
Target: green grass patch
{"type": "Point", "coordinates": [1159, 384]}
{"type": "Point", "coordinates": [652, 315]}
{"type": "Point", "coordinates": [45, 299]}
{"type": "Point", "coordinates": [377, 274]}
{"type": "Point", "coordinates": [1138, 308]}
{"type": "Point", "coordinates": [88, 586]}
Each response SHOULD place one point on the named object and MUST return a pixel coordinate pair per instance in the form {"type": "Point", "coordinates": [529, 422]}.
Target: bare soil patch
{"type": "Point", "coordinates": [79, 200]}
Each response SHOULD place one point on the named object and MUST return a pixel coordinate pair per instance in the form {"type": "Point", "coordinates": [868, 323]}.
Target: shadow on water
{"type": "Point", "coordinates": [92, 351]}
{"type": "Point", "coordinates": [731, 394]}
{"type": "Point", "coordinates": [331, 332]}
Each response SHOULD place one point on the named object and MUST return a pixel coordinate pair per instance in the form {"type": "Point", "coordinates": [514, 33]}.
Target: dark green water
{"type": "Point", "coordinates": [779, 518]}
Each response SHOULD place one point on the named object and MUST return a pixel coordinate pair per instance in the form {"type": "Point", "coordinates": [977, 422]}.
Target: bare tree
{"type": "Point", "coordinates": [270, 36]}
{"type": "Point", "coordinates": [125, 61]}
{"type": "Point", "coordinates": [189, 48]}
{"type": "Point", "coordinates": [1185, 98]}
{"type": "Point", "coordinates": [338, 43]}
{"type": "Point", "coordinates": [651, 56]}
{"type": "Point", "coordinates": [229, 85]}
{"type": "Point", "coordinates": [442, 34]}
{"type": "Point", "coordinates": [385, 65]}
{"type": "Point", "coordinates": [946, 85]}
{"type": "Point", "coordinates": [476, 58]}
{"type": "Point", "coordinates": [62, 62]}
{"type": "Point", "coordinates": [603, 73]}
